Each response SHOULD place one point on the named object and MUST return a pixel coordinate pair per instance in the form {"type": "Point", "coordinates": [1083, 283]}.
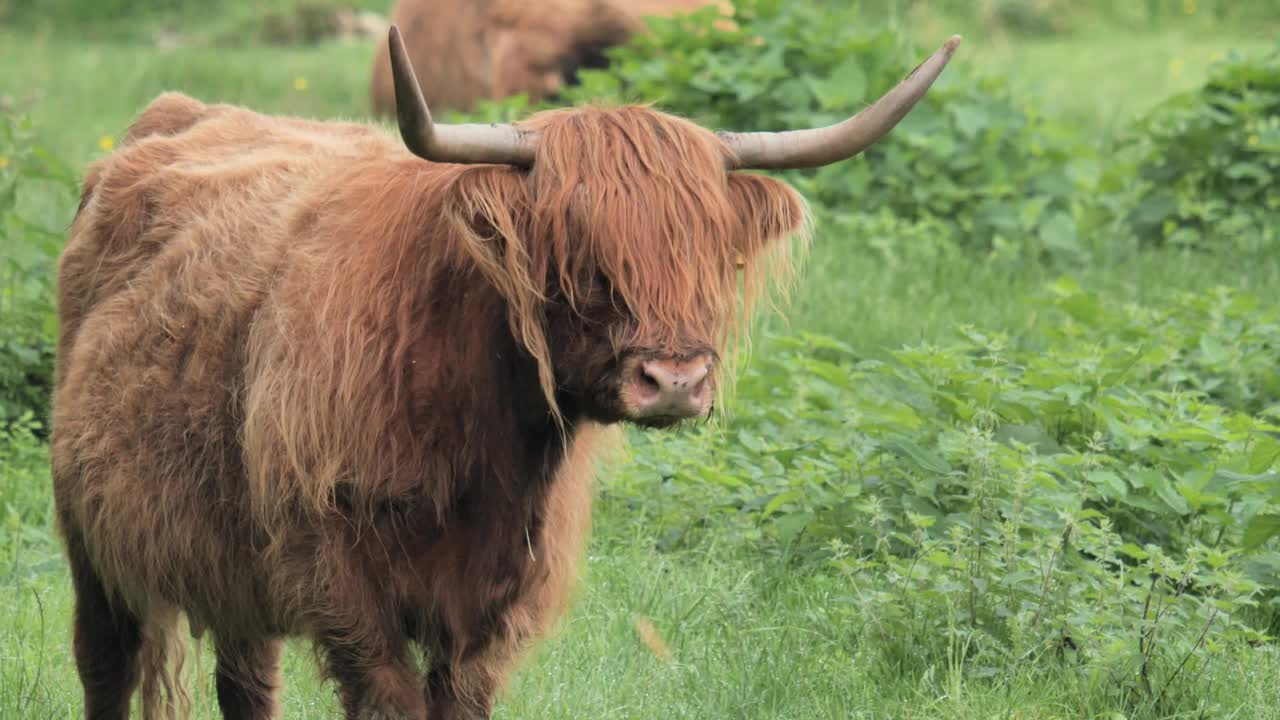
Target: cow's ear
{"type": "Point", "coordinates": [770, 211]}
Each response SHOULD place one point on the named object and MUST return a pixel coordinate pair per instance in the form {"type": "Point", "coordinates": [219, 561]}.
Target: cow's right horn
{"type": "Point", "coordinates": [468, 144]}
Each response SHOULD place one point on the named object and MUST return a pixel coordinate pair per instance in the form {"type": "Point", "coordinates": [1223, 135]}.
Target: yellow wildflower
{"type": "Point", "coordinates": [106, 142]}
{"type": "Point", "coordinates": [1176, 66]}
{"type": "Point", "coordinates": [299, 83]}
{"type": "Point", "coordinates": [4, 161]}
{"type": "Point", "coordinates": [1189, 7]}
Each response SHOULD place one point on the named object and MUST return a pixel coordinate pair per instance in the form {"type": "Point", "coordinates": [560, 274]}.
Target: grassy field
{"type": "Point", "coordinates": [752, 634]}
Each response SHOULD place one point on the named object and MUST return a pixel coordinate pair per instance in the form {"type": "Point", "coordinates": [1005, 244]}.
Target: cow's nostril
{"type": "Point", "coordinates": [649, 382]}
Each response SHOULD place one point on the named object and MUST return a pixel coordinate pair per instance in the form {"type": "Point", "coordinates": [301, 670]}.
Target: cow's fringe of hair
{"type": "Point", "coordinates": [666, 224]}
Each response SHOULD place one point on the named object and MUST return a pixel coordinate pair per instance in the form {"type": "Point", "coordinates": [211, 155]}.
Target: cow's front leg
{"type": "Point", "coordinates": [355, 619]}
{"type": "Point", "coordinates": [462, 691]}
{"type": "Point", "coordinates": [376, 685]}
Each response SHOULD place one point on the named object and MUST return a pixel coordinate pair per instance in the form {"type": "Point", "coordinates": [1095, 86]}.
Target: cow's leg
{"type": "Point", "coordinates": [373, 684]}
{"type": "Point", "coordinates": [247, 678]}
{"type": "Point", "coordinates": [465, 690]}
{"type": "Point", "coordinates": [460, 692]}
{"type": "Point", "coordinates": [107, 640]}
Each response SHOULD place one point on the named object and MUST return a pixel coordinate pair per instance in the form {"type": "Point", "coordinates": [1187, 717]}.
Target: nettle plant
{"type": "Point", "coordinates": [1084, 500]}
{"type": "Point", "coordinates": [1211, 160]}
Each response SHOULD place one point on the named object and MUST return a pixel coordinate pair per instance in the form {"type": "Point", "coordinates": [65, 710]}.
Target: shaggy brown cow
{"type": "Point", "coordinates": [311, 384]}
{"type": "Point", "coordinates": [489, 49]}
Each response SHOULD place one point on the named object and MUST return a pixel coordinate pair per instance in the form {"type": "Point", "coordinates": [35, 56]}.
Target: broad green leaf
{"type": "Point", "coordinates": [1265, 452]}
{"type": "Point", "coordinates": [926, 460]}
{"type": "Point", "coordinates": [1108, 483]}
{"type": "Point", "coordinates": [1261, 528]}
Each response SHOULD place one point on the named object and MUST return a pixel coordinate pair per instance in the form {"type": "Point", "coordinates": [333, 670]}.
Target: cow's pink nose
{"type": "Point", "coordinates": [669, 388]}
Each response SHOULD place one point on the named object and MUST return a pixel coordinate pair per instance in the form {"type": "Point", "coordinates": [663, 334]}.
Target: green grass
{"type": "Point", "coordinates": [881, 299]}
{"type": "Point", "coordinates": [1101, 74]}
{"type": "Point", "coordinates": [198, 21]}
{"type": "Point", "coordinates": [76, 95]}
{"type": "Point", "coordinates": [752, 635]}
{"type": "Point", "coordinates": [748, 639]}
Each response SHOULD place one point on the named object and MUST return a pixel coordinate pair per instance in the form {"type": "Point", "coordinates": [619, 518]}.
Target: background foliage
{"type": "Point", "coordinates": [1211, 160]}
{"type": "Point", "coordinates": [31, 180]}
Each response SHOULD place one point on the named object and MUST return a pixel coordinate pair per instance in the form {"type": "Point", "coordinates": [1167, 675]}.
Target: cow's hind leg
{"type": "Point", "coordinates": [247, 678]}
{"type": "Point", "coordinates": [107, 640]}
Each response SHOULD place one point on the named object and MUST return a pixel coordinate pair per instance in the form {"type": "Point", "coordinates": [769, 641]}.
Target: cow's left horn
{"type": "Point", "coordinates": [823, 146]}
{"type": "Point", "coordinates": [498, 144]}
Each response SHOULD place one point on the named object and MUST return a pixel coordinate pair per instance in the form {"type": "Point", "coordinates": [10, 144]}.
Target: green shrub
{"type": "Point", "coordinates": [1210, 161]}
{"type": "Point", "coordinates": [34, 188]}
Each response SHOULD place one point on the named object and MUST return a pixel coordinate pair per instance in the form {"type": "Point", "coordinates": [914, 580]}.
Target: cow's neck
{"type": "Point", "coordinates": [476, 397]}
{"type": "Point", "coordinates": [478, 404]}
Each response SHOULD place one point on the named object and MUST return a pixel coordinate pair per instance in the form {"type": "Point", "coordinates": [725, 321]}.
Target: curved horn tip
{"type": "Point", "coordinates": [943, 53]}
{"type": "Point", "coordinates": [949, 47]}
{"type": "Point", "coordinates": [495, 143]}
{"type": "Point", "coordinates": [417, 129]}
{"type": "Point", "coordinates": [394, 38]}
{"type": "Point", "coordinates": [823, 146]}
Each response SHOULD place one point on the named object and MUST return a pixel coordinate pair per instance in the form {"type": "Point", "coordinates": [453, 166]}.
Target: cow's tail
{"type": "Point", "coordinates": [164, 652]}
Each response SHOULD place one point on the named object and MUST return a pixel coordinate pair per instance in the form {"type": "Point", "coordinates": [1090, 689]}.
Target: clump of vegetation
{"type": "Point", "coordinates": [1220, 345]}
{"type": "Point", "coordinates": [1210, 161]}
{"type": "Point", "coordinates": [32, 184]}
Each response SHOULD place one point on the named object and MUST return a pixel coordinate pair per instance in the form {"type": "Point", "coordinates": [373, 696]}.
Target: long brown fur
{"type": "Point", "coordinates": [309, 384]}
{"type": "Point", "coordinates": [464, 51]}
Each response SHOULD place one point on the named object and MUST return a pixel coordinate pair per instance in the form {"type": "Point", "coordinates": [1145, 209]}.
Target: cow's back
{"type": "Point", "coordinates": [177, 245]}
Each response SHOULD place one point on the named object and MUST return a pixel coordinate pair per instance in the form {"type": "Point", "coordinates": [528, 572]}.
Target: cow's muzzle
{"type": "Point", "coordinates": [665, 390]}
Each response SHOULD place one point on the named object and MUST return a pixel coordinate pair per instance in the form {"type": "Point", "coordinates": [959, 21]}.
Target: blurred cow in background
{"type": "Point", "coordinates": [469, 50]}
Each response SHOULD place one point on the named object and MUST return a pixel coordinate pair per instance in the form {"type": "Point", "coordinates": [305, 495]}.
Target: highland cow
{"type": "Point", "coordinates": [311, 384]}
{"type": "Point", "coordinates": [475, 50]}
